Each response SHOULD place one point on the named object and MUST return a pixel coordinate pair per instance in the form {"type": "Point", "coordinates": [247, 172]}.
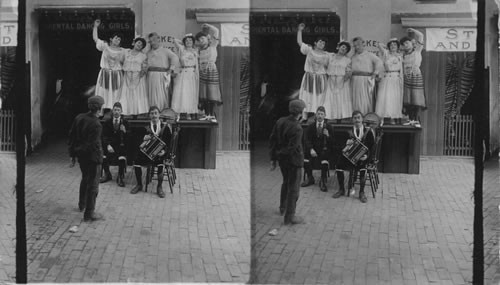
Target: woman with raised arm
{"type": "Point", "coordinates": [413, 91]}
{"type": "Point", "coordinates": [209, 92]}
{"type": "Point", "coordinates": [338, 100]}
{"type": "Point", "coordinates": [185, 97]}
{"type": "Point", "coordinates": [313, 86]}
{"type": "Point", "coordinates": [390, 89]}
{"type": "Point", "coordinates": [109, 80]}
{"type": "Point", "coordinates": [134, 98]}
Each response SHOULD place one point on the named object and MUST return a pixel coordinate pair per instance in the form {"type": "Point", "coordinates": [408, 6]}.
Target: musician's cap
{"type": "Point", "coordinates": [118, 104]}
{"type": "Point", "coordinates": [296, 106]}
{"type": "Point", "coordinates": [96, 100]}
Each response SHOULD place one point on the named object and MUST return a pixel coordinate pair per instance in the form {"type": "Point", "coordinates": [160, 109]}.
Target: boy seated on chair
{"type": "Point", "coordinates": [318, 142]}
{"type": "Point", "coordinates": [114, 141]}
{"type": "Point", "coordinates": [366, 136]}
{"type": "Point", "coordinates": [161, 130]}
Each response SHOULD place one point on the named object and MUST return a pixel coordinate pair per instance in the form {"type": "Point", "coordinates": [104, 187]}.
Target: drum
{"type": "Point", "coordinates": [151, 148]}
{"type": "Point", "coordinates": [354, 151]}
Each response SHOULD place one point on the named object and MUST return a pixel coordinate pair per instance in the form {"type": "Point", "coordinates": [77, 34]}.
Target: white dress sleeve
{"type": "Point", "coordinates": [101, 45]}
{"type": "Point", "coordinates": [305, 49]}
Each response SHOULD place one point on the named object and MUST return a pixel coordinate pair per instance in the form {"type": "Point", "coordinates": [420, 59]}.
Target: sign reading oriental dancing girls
{"type": "Point", "coordinates": [450, 39]}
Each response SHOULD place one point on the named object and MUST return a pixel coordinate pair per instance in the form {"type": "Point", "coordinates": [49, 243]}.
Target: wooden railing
{"type": "Point", "coordinates": [7, 131]}
{"type": "Point", "coordinates": [244, 131]}
{"type": "Point", "coordinates": [459, 136]}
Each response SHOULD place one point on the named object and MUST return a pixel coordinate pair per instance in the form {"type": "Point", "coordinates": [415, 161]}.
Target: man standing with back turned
{"type": "Point", "coordinates": [286, 148]}
{"type": "Point", "coordinates": [85, 144]}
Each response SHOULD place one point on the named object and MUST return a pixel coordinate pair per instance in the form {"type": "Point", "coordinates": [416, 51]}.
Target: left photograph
{"type": "Point", "coordinates": [137, 143]}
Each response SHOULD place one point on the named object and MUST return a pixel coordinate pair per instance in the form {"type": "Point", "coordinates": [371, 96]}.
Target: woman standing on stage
{"type": "Point", "coordinates": [313, 86]}
{"type": "Point", "coordinates": [109, 80]}
{"type": "Point", "coordinates": [413, 91]}
{"type": "Point", "coordinates": [133, 96]}
{"type": "Point", "coordinates": [390, 90]}
{"type": "Point", "coordinates": [209, 87]}
{"type": "Point", "coordinates": [338, 100]}
{"type": "Point", "coordinates": [185, 97]}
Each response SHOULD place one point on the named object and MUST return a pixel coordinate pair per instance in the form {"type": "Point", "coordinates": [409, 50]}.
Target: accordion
{"type": "Point", "coordinates": [354, 151]}
{"type": "Point", "coordinates": [151, 148]}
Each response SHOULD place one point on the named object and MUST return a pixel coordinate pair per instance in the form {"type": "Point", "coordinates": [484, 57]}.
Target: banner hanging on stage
{"type": "Point", "coordinates": [8, 34]}
{"type": "Point", "coordinates": [235, 35]}
{"type": "Point", "coordinates": [451, 39]}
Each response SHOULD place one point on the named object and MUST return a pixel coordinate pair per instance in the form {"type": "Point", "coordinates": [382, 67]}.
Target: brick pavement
{"type": "Point", "coordinates": [491, 210]}
{"type": "Point", "coordinates": [200, 233]}
{"type": "Point", "coordinates": [7, 217]}
{"type": "Point", "coordinates": [419, 232]}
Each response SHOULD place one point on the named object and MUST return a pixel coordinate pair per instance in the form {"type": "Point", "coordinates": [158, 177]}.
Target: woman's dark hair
{"type": "Point", "coordinates": [143, 41]}
{"type": "Point", "coordinates": [187, 37]}
{"type": "Point", "coordinates": [320, 39]}
{"type": "Point", "coordinates": [404, 39]}
{"type": "Point", "coordinates": [200, 34]}
{"type": "Point", "coordinates": [153, 108]}
{"type": "Point", "coordinates": [393, 41]}
{"type": "Point", "coordinates": [116, 34]}
{"type": "Point", "coordinates": [343, 43]}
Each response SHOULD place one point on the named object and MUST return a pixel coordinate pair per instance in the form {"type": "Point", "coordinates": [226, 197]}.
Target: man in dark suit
{"type": "Point", "coordinates": [114, 136]}
{"type": "Point", "coordinates": [286, 148]}
{"type": "Point", "coordinates": [85, 144]}
{"type": "Point", "coordinates": [366, 136]}
{"type": "Point", "coordinates": [161, 130]}
{"type": "Point", "coordinates": [318, 143]}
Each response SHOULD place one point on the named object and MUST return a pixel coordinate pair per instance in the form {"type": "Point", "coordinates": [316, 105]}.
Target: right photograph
{"type": "Point", "coordinates": [375, 141]}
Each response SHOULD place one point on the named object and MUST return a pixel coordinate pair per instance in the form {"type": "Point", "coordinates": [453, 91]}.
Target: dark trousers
{"type": "Point", "coordinates": [89, 186]}
{"type": "Point", "coordinates": [289, 188]}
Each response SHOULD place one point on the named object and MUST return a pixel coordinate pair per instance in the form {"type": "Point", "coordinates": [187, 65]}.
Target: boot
{"type": "Point", "coordinates": [294, 220]}
{"type": "Point", "coordinates": [310, 179]}
{"type": "Point", "coordinates": [107, 174]}
{"type": "Point", "coordinates": [138, 177]}
{"type": "Point", "coordinates": [323, 181]}
{"type": "Point", "coordinates": [159, 189]}
{"type": "Point", "coordinates": [341, 191]}
{"type": "Point", "coordinates": [121, 173]}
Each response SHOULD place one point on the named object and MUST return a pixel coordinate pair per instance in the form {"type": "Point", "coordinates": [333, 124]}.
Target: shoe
{"type": "Point", "coordinates": [136, 189]}
{"type": "Point", "coordinates": [213, 119]}
{"type": "Point", "coordinates": [295, 220]}
{"type": "Point", "coordinates": [338, 194]}
{"type": "Point", "coordinates": [105, 178]}
{"type": "Point", "coordinates": [362, 197]}
{"type": "Point", "coordinates": [94, 217]}
{"type": "Point", "coordinates": [159, 191]}
{"type": "Point", "coordinates": [282, 211]}
{"type": "Point", "coordinates": [203, 118]}
{"type": "Point", "coordinates": [120, 182]}
{"type": "Point", "coordinates": [322, 186]}
{"type": "Point", "coordinates": [308, 182]}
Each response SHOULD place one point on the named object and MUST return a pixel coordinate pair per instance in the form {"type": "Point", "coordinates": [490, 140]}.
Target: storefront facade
{"type": "Point", "coordinates": [62, 55]}
{"type": "Point", "coordinates": [453, 21]}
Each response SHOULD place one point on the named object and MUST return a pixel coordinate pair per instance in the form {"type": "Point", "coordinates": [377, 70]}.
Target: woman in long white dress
{"type": "Point", "coordinates": [133, 96]}
{"type": "Point", "coordinates": [313, 87]}
{"type": "Point", "coordinates": [338, 100]}
{"type": "Point", "coordinates": [110, 78]}
{"type": "Point", "coordinates": [186, 84]}
{"type": "Point", "coordinates": [390, 90]}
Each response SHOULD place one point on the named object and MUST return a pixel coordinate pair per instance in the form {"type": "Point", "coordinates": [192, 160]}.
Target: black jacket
{"type": "Point", "coordinates": [286, 142]}
{"type": "Point", "coordinates": [113, 137]}
{"type": "Point", "coordinates": [85, 138]}
{"type": "Point", "coordinates": [313, 140]}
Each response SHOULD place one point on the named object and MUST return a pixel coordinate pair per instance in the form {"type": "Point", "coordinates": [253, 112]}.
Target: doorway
{"type": "Point", "coordinates": [277, 60]}
{"type": "Point", "coordinates": [69, 60]}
